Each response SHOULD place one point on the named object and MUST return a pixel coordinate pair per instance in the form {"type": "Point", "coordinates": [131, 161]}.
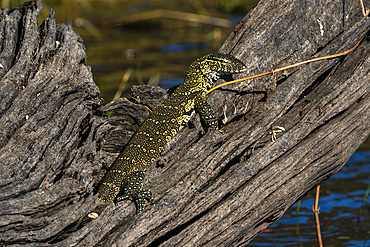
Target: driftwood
{"type": "Point", "coordinates": [209, 189]}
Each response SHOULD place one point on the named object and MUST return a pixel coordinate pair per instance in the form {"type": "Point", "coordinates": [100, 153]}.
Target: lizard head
{"type": "Point", "coordinates": [213, 66]}
{"type": "Point", "coordinates": [209, 68]}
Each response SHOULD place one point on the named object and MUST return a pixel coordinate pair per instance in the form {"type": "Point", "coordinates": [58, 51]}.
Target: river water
{"type": "Point", "coordinates": [343, 206]}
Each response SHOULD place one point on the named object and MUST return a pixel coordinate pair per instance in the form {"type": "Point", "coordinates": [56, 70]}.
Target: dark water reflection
{"type": "Point", "coordinates": [164, 48]}
{"type": "Point", "coordinates": [344, 214]}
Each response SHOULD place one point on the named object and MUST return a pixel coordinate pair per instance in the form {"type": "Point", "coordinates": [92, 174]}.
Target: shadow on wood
{"type": "Point", "coordinates": [209, 189]}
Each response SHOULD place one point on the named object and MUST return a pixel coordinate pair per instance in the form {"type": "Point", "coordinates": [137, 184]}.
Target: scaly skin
{"type": "Point", "coordinates": [126, 176]}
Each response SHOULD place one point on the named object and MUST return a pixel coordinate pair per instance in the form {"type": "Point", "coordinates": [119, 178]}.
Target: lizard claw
{"type": "Point", "coordinates": [139, 198]}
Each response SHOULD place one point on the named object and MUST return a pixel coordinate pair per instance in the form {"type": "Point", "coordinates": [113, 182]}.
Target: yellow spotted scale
{"type": "Point", "coordinates": [126, 177]}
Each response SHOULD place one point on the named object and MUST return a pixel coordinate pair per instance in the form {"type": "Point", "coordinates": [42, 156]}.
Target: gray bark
{"type": "Point", "coordinates": [209, 189]}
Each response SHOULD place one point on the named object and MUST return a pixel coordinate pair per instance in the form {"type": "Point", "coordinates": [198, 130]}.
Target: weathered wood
{"type": "Point", "coordinates": [209, 189]}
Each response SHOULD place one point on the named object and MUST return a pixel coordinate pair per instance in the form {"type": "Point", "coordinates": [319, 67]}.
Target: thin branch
{"type": "Point", "coordinates": [316, 211]}
{"type": "Point", "coordinates": [284, 68]}
{"type": "Point", "coordinates": [123, 84]}
{"type": "Point", "coordinates": [171, 14]}
{"type": "Point", "coordinates": [363, 8]}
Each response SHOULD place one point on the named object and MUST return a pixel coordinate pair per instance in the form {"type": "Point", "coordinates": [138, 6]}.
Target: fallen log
{"type": "Point", "coordinates": [209, 189]}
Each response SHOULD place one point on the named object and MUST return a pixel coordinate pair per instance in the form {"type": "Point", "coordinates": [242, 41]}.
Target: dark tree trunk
{"type": "Point", "coordinates": [209, 189]}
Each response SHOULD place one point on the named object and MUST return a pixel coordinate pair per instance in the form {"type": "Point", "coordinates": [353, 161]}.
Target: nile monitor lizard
{"type": "Point", "coordinates": [126, 176]}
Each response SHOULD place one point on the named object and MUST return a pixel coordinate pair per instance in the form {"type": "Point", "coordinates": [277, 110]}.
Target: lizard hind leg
{"type": "Point", "coordinates": [132, 189]}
